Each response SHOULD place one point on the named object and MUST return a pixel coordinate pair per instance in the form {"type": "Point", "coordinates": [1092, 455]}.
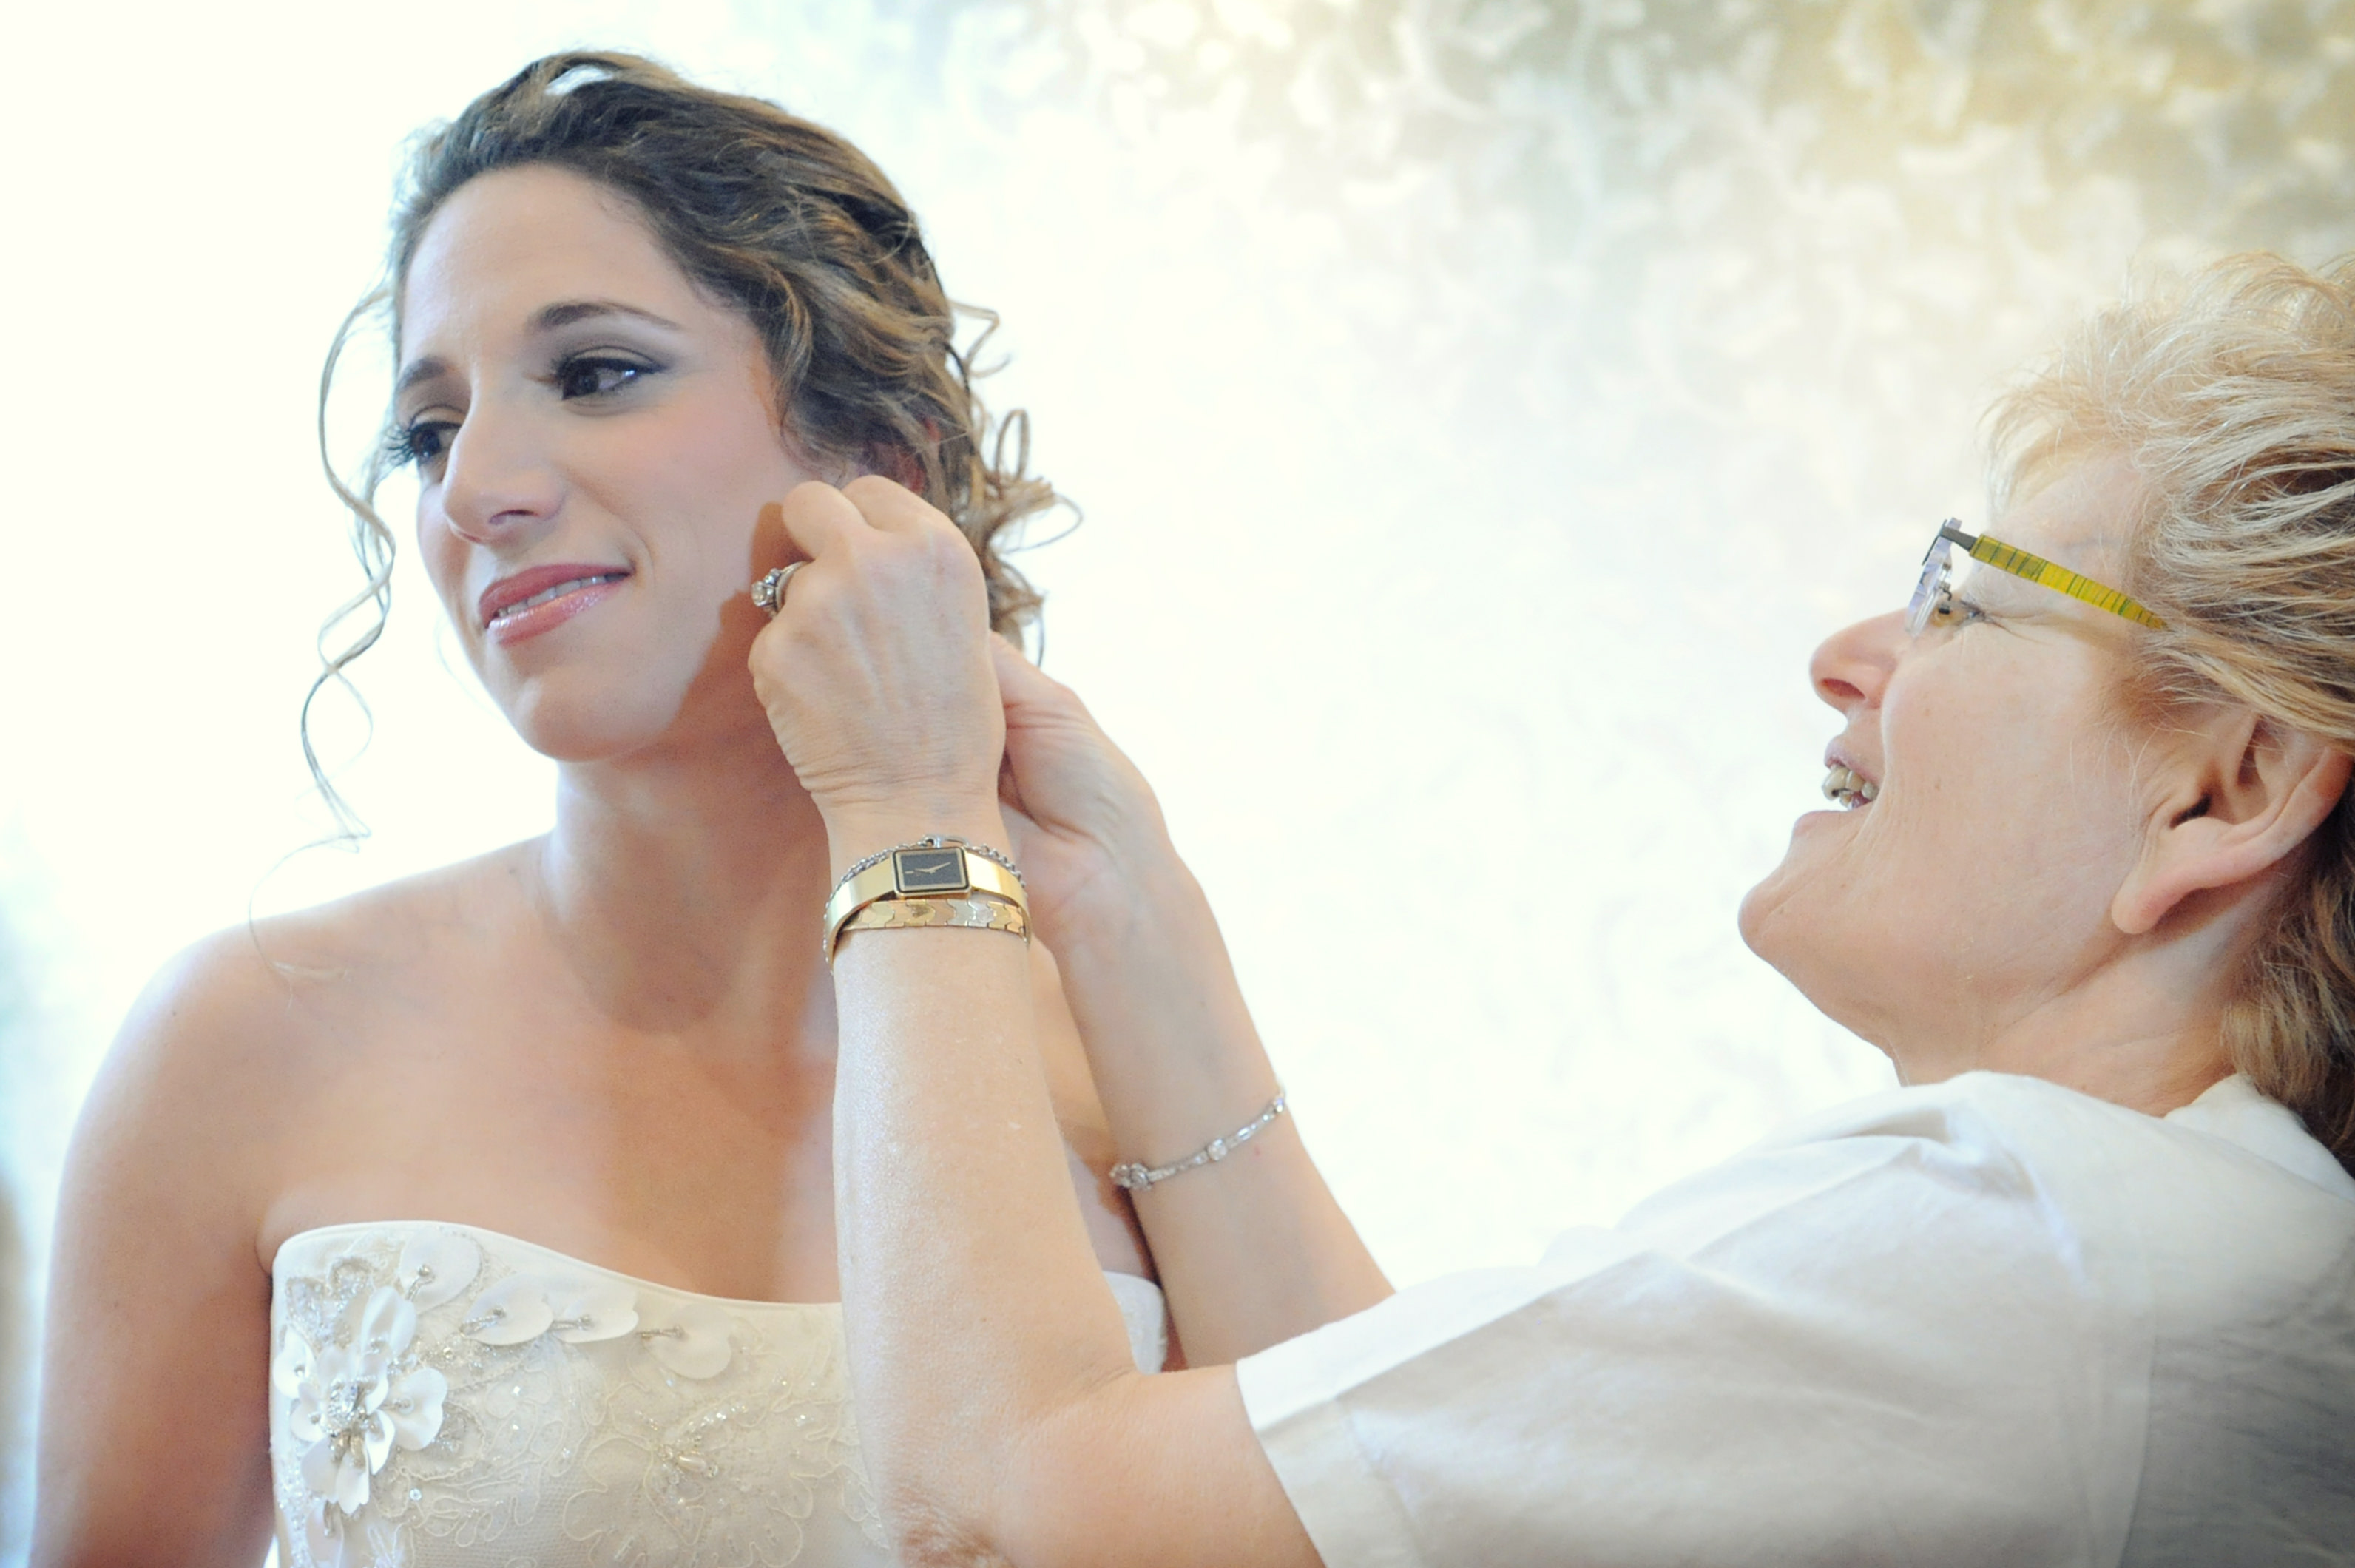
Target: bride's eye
{"type": "Point", "coordinates": [420, 442]}
{"type": "Point", "coordinates": [595, 375]}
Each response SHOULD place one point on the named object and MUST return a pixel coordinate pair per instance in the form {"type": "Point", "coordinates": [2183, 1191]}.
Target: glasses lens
{"type": "Point", "coordinates": [1928, 587]}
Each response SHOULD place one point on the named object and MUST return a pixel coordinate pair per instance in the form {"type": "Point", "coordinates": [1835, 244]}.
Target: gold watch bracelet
{"type": "Point", "coordinates": [880, 892]}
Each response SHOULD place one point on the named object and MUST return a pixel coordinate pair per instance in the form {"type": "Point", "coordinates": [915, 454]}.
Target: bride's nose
{"type": "Point", "coordinates": [497, 479]}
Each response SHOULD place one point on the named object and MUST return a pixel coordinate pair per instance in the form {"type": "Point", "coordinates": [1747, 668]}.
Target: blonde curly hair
{"type": "Point", "coordinates": [784, 221]}
{"type": "Point", "coordinates": [2231, 395]}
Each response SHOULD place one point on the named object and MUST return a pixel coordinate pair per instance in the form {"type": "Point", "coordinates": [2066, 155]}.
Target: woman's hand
{"type": "Point", "coordinates": [1088, 830]}
{"type": "Point", "coordinates": [876, 673]}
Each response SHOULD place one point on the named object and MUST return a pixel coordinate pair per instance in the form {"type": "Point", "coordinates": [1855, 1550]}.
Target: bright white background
{"type": "Point", "coordinates": [1479, 412]}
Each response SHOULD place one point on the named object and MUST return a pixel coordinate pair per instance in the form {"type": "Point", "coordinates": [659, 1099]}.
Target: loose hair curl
{"type": "Point", "coordinates": [783, 220]}
{"type": "Point", "coordinates": [2231, 395]}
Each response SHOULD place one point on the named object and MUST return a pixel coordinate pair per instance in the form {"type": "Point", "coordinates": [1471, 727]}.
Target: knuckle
{"type": "Point", "coordinates": [816, 597]}
{"type": "Point", "coordinates": [809, 497]}
{"type": "Point", "coordinates": [949, 557]}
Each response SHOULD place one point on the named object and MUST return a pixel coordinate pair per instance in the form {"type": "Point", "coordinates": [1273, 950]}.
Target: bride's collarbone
{"type": "Point", "coordinates": [700, 1164]}
{"type": "Point", "coordinates": [439, 1061]}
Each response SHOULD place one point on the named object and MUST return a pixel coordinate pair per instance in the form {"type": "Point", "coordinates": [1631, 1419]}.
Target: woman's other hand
{"type": "Point", "coordinates": [1087, 828]}
{"type": "Point", "coordinates": [876, 673]}
{"type": "Point", "coordinates": [1252, 1250]}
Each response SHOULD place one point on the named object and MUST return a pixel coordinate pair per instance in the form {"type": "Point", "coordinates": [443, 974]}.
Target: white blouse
{"type": "Point", "coordinates": [1988, 1321]}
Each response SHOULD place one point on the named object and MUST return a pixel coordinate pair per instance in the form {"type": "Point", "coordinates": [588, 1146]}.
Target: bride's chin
{"type": "Point", "coordinates": [575, 745]}
{"type": "Point", "coordinates": [599, 727]}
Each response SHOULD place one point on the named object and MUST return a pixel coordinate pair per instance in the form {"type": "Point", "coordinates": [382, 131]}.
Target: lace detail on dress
{"type": "Point", "coordinates": [730, 1472]}
{"type": "Point", "coordinates": [445, 1395]}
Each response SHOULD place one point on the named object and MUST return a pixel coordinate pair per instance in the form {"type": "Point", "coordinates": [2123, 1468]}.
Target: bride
{"type": "Point", "coordinates": [488, 1217]}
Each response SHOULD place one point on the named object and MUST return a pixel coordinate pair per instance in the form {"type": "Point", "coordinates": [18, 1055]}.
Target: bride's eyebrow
{"type": "Point", "coordinates": [548, 318]}
{"type": "Point", "coordinates": [419, 371]}
{"type": "Point", "coordinates": [564, 313]}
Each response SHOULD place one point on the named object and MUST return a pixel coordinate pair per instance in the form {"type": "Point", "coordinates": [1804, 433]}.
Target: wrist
{"type": "Point", "coordinates": [1139, 932]}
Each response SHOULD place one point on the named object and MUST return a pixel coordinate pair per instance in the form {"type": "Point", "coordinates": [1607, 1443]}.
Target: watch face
{"type": "Point", "coordinates": [929, 871]}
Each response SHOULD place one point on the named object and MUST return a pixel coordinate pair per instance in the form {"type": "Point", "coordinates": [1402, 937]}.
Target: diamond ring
{"type": "Point", "coordinates": [769, 594]}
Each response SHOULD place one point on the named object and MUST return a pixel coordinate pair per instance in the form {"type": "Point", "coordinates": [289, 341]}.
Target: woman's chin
{"type": "Point", "coordinates": [1766, 918]}
{"type": "Point", "coordinates": [590, 728]}
{"type": "Point", "coordinates": [1819, 846]}
{"type": "Point", "coordinates": [1755, 918]}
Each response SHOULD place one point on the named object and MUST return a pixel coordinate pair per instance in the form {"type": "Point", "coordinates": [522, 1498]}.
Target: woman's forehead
{"type": "Point", "coordinates": [2081, 517]}
{"type": "Point", "coordinates": [505, 244]}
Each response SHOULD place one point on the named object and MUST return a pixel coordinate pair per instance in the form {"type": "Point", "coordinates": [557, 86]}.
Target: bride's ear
{"type": "Point", "coordinates": [897, 464]}
{"type": "Point", "coordinates": [2237, 798]}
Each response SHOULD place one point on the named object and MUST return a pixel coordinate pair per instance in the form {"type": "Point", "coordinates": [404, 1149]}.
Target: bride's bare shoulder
{"type": "Point", "coordinates": [276, 981]}
{"type": "Point", "coordinates": [238, 1034]}
{"type": "Point", "coordinates": [394, 925]}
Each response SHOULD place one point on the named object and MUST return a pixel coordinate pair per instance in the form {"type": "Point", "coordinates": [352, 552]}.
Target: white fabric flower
{"type": "Point", "coordinates": [588, 1310]}
{"type": "Point", "coordinates": [354, 1401]}
{"type": "Point", "coordinates": [578, 1311]}
{"type": "Point", "coordinates": [435, 1267]}
{"type": "Point", "coordinates": [692, 1338]}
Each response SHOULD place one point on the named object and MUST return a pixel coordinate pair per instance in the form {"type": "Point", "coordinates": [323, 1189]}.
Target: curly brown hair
{"type": "Point", "coordinates": [784, 221]}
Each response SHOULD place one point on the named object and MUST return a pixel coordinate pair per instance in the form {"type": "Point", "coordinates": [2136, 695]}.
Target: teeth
{"type": "Point", "coordinates": [559, 591]}
{"type": "Point", "coordinates": [1850, 788]}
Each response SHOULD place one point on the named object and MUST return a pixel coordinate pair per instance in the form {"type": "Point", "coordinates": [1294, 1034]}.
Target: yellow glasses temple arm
{"type": "Point", "coordinates": [2036, 569]}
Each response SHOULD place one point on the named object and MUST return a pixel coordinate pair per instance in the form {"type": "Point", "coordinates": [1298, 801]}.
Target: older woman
{"type": "Point", "coordinates": [2083, 1291]}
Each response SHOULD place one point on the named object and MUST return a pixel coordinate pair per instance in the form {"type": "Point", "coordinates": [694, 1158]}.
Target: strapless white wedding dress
{"type": "Point", "coordinates": [443, 1396]}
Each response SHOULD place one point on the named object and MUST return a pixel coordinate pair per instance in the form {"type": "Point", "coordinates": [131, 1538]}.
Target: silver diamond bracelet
{"type": "Point", "coordinates": [1132, 1176]}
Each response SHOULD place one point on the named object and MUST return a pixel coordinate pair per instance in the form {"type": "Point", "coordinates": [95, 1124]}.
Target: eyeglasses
{"type": "Point", "coordinates": [1933, 594]}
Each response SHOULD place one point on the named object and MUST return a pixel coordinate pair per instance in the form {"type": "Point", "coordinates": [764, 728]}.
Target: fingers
{"type": "Point", "coordinates": [816, 519]}
{"type": "Point", "coordinates": [893, 508]}
{"type": "Point", "coordinates": [1009, 796]}
{"type": "Point", "coordinates": [1004, 648]}
{"type": "Point", "coordinates": [873, 673]}
{"type": "Point", "coordinates": [1025, 687]}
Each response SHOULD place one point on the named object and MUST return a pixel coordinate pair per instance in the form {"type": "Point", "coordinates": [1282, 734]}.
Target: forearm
{"type": "Point", "coordinates": [954, 1209]}
{"type": "Point", "coordinates": [1001, 1414]}
{"type": "Point", "coordinates": [1003, 1418]}
{"type": "Point", "coordinates": [1253, 1249]}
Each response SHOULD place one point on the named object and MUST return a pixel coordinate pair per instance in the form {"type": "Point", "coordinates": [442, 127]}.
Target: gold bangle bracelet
{"type": "Point", "coordinates": [911, 915]}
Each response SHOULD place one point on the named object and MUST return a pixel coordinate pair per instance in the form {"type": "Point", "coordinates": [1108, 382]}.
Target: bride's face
{"type": "Point", "coordinates": [595, 439]}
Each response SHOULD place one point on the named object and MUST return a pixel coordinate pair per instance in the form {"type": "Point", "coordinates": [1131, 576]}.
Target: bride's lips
{"type": "Point", "coordinates": [544, 598]}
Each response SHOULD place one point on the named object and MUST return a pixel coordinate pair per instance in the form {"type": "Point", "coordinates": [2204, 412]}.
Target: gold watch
{"type": "Point", "coordinates": [941, 869]}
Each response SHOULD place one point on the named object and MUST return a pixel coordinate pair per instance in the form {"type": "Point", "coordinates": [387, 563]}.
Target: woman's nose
{"type": "Point", "coordinates": [1852, 666]}
{"type": "Point", "coordinates": [495, 480]}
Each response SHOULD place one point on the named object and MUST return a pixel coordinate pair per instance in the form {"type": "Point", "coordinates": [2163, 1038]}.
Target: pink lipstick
{"type": "Point", "coordinates": [543, 598]}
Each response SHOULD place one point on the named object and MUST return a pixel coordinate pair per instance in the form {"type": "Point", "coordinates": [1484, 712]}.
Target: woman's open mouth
{"type": "Point", "coordinates": [544, 598]}
{"type": "Point", "coordinates": [1848, 789]}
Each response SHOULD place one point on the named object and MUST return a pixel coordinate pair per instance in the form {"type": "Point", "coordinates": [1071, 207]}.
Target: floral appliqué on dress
{"type": "Point", "coordinates": [442, 1395]}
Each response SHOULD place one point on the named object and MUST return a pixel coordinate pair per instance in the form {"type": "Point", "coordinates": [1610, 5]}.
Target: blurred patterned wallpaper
{"type": "Point", "coordinates": [1733, 211]}
{"type": "Point", "coordinates": [1479, 411]}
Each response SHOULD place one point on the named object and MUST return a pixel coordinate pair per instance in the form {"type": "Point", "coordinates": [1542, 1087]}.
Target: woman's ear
{"type": "Point", "coordinates": [898, 464]}
{"type": "Point", "coordinates": [2246, 792]}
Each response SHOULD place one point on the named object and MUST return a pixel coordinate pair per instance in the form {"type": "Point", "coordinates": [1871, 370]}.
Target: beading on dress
{"type": "Point", "coordinates": [443, 1394]}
